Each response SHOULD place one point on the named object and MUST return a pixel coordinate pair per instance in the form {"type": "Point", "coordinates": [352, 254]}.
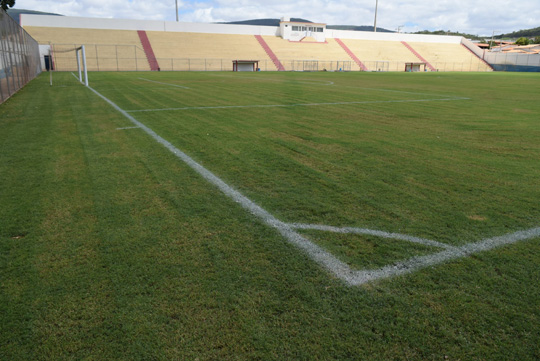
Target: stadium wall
{"type": "Point", "coordinates": [146, 25]}
{"type": "Point", "coordinates": [513, 62]}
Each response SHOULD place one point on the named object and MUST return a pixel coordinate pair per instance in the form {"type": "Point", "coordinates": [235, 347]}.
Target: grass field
{"type": "Point", "coordinates": [111, 247]}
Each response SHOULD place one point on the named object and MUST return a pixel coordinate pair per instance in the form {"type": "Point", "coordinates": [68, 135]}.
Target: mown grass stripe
{"type": "Point", "coordinates": [319, 255]}
{"type": "Point", "coordinates": [338, 268]}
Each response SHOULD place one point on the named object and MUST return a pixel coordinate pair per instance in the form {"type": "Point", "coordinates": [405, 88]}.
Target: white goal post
{"type": "Point", "coordinates": [68, 58]}
{"type": "Point", "coordinates": [80, 52]}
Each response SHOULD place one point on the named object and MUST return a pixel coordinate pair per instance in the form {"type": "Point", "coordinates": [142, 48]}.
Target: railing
{"type": "Point", "coordinates": [19, 57]}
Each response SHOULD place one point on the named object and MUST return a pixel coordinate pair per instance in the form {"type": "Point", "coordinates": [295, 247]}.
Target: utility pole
{"type": "Point", "coordinates": [176, 10]}
{"type": "Point", "coordinates": [492, 36]}
{"type": "Point", "coordinates": [375, 23]}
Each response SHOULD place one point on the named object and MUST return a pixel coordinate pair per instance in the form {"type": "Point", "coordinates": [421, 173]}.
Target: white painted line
{"type": "Point", "coordinates": [296, 81]}
{"type": "Point", "coordinates": [127, 128]}
{"type": "Point", "coordinates": [295, 105]}
{"type": "Point", "coordinates": [318, 254]}
{"type": "Point", "coordinates": [315, 82]}
{"type": "Point", "coordinates": [371, 232]}
{"type": "Point", "coordinates": [169, 84]}
{"type": "Point", "coordinates": [104, 89]}
{"type": "Point", "coordinates": [416, 263]}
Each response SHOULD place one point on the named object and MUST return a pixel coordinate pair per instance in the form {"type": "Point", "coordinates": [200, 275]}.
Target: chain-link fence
{"type": "Point", "coordinates": [101, 57]}
{"type": "Point", "coordinates": [19, 57]}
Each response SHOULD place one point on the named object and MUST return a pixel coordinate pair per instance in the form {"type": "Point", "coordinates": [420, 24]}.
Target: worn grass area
{"type": "Point", "coordinates": [110, 248]}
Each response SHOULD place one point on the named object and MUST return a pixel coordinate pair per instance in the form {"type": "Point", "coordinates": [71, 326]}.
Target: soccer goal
{"type": "Point", "coordinates": [69, 60]}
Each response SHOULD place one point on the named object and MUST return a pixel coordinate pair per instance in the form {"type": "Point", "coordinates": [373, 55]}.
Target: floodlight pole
{"type": "Point", "coordinates": [375, 23]}
{"type": "Point", "coordinates": [176, 1]}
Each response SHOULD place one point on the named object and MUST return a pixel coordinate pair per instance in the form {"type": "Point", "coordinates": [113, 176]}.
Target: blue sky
{"type": "Point", "coordinates": [480, 17]}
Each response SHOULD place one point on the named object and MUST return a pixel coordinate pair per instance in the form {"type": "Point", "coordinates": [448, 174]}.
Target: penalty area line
{"type": "Point", "coordinates": [372, 232]}
{"type": "Point", "coordinates": [169, 84]}
{"type": "Point", "coordinates": [296, 105]}
{"type": "Point", "coordinates": [124, 128]}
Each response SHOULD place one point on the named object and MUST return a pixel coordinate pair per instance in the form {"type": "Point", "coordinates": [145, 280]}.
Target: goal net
{"type": "Point", "coordinates": [68, 64]}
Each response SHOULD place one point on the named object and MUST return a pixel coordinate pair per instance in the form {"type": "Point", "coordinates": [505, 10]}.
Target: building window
{"type": "Point", "coordinates": [295, 28]}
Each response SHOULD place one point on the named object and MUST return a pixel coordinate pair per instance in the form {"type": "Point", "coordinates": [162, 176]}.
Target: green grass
{"type": "Point", "coordinates": [111, 248]}
{"type": "Point", "coordinates": [368, 252]}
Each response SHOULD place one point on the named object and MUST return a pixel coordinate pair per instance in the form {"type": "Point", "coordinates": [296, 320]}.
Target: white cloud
{"type": "Point", "coordinates": [475, 17]}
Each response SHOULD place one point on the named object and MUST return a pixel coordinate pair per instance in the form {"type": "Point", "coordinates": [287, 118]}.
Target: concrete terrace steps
{"type": "Point", "coordinates": [482, 60]}
{"type": "Point", "coordinates": [351, 54]}
{"type": "Point", "coordinates": [270, 53]}
{"type": "Point", "coordinates": [420, 57]}
{"type": "Point", "coordinates": [152, 61]}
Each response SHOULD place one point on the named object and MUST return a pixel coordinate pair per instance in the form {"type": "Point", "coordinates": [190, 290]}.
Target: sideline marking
{"type": "Point", "coordinates": [169, 84]}
{"type": "Point", "coordinates": [416, 263]}
{"type": "Point", "coordinates": [124, 128]}
{"type": "Point", "coordinates": [296, 105]}
{"type": "Point", "coordinates": [318, 254]}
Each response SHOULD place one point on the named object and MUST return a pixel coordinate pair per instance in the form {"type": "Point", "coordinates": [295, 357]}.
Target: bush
{"type": "Point", "coordinates": [522, 41]}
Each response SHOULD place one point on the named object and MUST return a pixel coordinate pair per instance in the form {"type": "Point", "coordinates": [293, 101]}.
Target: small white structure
{"type": "Point", "coordinates": [245, 65]}
{"type": "Point", "coordinates": [415, 67]}
{"type": "Point", "coordinates": [299, 31]}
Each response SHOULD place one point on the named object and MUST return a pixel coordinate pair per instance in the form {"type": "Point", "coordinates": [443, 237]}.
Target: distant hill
{"type": "Point", "coordinates": [275, 22]}
{"type": "Point", "coordinates": [14, 13]}
{"type": "Point", "coordinates": [528, 33]}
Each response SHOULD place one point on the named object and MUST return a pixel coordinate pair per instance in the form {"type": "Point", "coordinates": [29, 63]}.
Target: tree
{"type": "Point", "coordinates": [536, 40]}
{"type": "Point", "coordinates": [522, 41]}
{"type": "Point", "coordinates": [5, 4]}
